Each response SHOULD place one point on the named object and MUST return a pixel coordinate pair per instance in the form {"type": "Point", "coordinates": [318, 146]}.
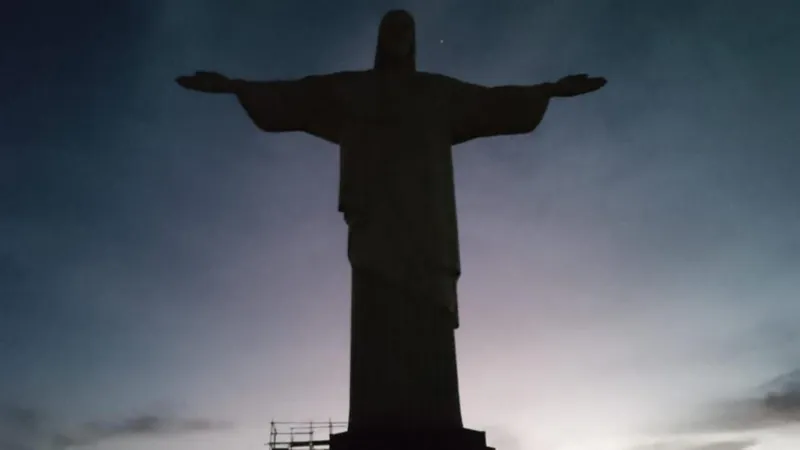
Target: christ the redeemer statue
{"type": "Point", "coordinates": [395, 127]}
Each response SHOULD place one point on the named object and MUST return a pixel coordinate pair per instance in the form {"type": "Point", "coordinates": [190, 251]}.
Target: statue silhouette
{"type": "Point", "coordinates": [395, 127]}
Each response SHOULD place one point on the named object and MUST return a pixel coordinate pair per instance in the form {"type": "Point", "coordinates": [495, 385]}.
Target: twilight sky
{"type": "Point", "coordinates": [170, 271]}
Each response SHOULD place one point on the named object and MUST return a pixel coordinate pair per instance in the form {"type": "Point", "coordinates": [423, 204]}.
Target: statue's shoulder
{"type": "Point", "coordinates": [428, 78]}
{"type": "Point", "coordinates": [437, 81]}
{"type": "Point", "coordinates": [351, 75]}
{"type": "Point", "coordinates": [345, 76]}
{"type": "Point", "coordinates": [350, 80]}
{"type": "Point", "coordinates": [433, 77]}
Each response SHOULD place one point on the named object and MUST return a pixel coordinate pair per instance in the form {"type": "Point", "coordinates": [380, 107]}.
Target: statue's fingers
{"type": "Point", "coordinates": [183, 81]}
{"type": "Point", "coordinates": [192, 83]}
{"type": "Point", "coordinates": [595, 84]}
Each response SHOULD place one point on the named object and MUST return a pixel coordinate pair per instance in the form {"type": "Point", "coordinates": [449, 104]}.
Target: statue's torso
{"type": "Point", "coordinates": [396, 173]}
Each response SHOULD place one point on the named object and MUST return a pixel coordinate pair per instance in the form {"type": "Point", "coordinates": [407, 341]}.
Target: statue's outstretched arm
{"type": "Point", "coordinates": [307, 104]}
{"type": "Point", "coordinates": [479, 111]}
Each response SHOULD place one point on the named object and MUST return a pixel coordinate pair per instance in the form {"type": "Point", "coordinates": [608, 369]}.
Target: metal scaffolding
{"type": "Point", "coordinates": [303, 435]}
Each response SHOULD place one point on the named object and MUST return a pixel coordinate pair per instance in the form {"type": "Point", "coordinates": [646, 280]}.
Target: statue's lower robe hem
{"type": "Point", "coordinates": [402, 359]}
{"type": "Point", "coordinates": [410, 439]}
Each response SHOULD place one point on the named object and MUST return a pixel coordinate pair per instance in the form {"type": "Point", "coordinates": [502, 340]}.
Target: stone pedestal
{"type": "Point", "coordinates": [410, 439]}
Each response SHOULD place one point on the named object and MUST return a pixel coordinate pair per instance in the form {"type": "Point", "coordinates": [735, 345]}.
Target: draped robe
{"type": "Point", "coordinates": [395, 132]}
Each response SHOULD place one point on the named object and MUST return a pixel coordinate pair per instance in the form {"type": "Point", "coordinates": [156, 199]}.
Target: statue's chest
{"type": "Point", "coordinates": [393, 103]}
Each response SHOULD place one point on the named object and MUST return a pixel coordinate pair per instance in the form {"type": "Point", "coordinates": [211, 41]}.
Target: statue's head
{"type": "Point", "coordinates": [396, 42]}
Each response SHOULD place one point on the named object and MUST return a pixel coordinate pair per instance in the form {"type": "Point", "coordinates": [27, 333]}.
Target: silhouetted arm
{"type": "Point", "coordinates": [478, 111]}
{"type": "Point", "coordinates": [308, 104]}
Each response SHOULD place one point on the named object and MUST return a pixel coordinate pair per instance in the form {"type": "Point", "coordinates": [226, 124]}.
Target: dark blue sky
{"type": "Point", "coordinates": [632, 260]}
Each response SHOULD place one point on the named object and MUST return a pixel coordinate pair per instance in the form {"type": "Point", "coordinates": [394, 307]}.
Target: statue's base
{"type": "Point", "coordinates": [436, 439]}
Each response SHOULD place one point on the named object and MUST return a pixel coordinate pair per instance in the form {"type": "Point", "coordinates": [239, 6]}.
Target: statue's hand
{"type": "Point", "coordinates": [210, 82]}
{"type": "Point", "coordinates": [580, 84]}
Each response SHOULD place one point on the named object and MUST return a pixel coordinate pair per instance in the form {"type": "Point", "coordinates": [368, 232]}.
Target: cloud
{"type": "Point", "coordinates": [725, 445]}
{"type": "Point", "coordinates": [742, 444]}
{"type": "Point", "coordinates": [10, 445]}
{"type": "Point", "coordinates": [25, 428]}
{"type": "Point", "coordinates": [778, 405]}
{"type": "Point", "coordinates": [144, 425]}
{"type": "Point", "coordinates": [787, 384]}
{"type": "Point", "coordinates": [21, 428]}
{"type": "Point", "coordinates": [21, 419]}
